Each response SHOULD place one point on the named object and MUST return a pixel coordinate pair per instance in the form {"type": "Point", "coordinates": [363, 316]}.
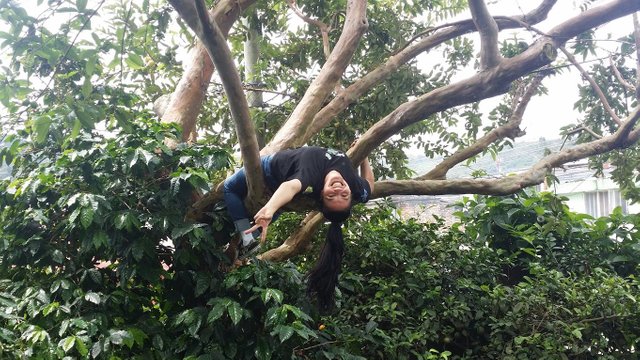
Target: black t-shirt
{"type": "Point", "coordinates": [310, 165]}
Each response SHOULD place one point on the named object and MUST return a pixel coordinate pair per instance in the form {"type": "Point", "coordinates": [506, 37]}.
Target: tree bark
{"type": "Point", "coordinates": [488, 29]}
{"type": "Point", "coordinates": [186, 101]}
{"type": "Point", "coordinates": [401, 57]}
{"type": "Point", "coordinates": [291, 134]}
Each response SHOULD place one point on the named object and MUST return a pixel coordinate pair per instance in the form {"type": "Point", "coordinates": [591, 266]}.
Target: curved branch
{"type": "Point", "coordinates": [211, 36]}
{"type": "Point", "coordinates": [298, 241]}
{"type": "Point", "coordinates": [186, 101]}
{"type": "Point", "coordinates": [594, 85]}
{"type": "Point", "coordinates": [510, 129]}
{"type": "Point", "coordinates": [291, 133]}
{"type": "Point", "coordinates": [488, 30]}
{"type": "Point", "coordinates": [619, 77]}
{"type": "Point", "coordinates": [324, 28]}
{"type": "Point", "coordinates": [511, 184]}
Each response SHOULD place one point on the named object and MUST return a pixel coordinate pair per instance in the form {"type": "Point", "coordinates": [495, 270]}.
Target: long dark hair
{"type": "Point", "coordinates": [322, 279]}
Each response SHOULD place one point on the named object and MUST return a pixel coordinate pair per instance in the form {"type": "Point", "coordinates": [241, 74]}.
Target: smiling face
{"type": "Point", "coordinates": [336, 194]}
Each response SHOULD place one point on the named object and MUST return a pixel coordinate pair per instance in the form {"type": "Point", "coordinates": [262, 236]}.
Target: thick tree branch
{"type": "Point", "coordinates": [594, 85]}
{"type": "Point", "coordinates": [298, 241]}
{"type": "Point", "coordinates": [382, 72]}
{"type": "Point", "coordinates": [488, 30]}
{"type": "Point", "coordinates": [510, 129]}
{"type": "Point", "coordinates": [291, 133]}
{"type": "Point", "coordinates": [186, 101]}
{"type": "Point", "coordinates": [492, 82]}
{"type": "Point", "coordinates": [511, 184]}
{"type": "Point", "coordinates": [213, 39]}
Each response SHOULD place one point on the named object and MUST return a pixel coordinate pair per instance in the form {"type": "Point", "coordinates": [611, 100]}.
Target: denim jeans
{"type": "Point", "coordinates": [235, 189]}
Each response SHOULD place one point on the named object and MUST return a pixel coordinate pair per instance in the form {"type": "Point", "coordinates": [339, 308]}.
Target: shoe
{"type": "Point", "coordinates": [249, 249]}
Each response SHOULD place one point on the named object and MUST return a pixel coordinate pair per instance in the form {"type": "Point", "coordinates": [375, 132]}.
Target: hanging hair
{"type": "Point", "coordinates": [322, 279]}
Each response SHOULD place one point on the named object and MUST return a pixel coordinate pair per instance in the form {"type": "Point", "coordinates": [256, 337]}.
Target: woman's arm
{"type": "Point", "coordinates": [285, 192]}
{"type": "Point", "coordinates": [367, 173]}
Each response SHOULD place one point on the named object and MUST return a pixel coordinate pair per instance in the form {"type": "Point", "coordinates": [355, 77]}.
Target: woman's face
{"type": "Point", "coordinates": [336, 194]}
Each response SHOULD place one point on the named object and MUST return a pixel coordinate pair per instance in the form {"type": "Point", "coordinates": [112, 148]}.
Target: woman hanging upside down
{"type": "Point", "coordinates": [329, 177]}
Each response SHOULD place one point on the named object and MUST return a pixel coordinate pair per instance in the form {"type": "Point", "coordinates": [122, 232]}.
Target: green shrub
{"type": "Point", "coordinates": [87, 270]}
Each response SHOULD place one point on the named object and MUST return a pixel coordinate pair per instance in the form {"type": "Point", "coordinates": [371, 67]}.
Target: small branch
{"type": "Point", "coordinates": [73, 42]}
{"type": "Point", "coordinates": [510, 129]}
{"type": "Point", "coordinates": [488, 30]}
{"type": "Point", "coordinates": [593, 83]}
{"type": "Point", "coordinates": [584, 128]}
{"type": "Point", "coordinates": [324, 28]}
{"type": "Point", "coordinates": [213, 39]}
{"type": "Point", "coordinates": [619, 77]}
{"type": "Point", "coordinates": [622, 138]}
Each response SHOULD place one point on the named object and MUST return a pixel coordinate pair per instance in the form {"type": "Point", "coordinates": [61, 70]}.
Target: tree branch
{"type": "Point", "coordinates": [511, 184]}
{"type": "Point", "coordinates": [510, 129]}
{"type": "Point", "coordinates": [488, 30]}
{"type": "Point", "coordinates": [297, 242]}
{"type": "Point", "coordinates": [186, 101]}
{"type": "Point", "coordinates": [489, 83]}
{"type": "Point", "coordinates": [291, 133]}
{"type": "Point", "coordinates": [211, 36]}
{"type": "Point", "coordinates": [382, 72]}
{"type": "Point", "coordinates": [594, 85]}
{"type": "Point", "coordinates": [622, 81]}
{"type": "Point", "coordinates": [324, 28]}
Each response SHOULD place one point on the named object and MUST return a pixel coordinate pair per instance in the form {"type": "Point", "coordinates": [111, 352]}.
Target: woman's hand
{"type": "Point", "coordinates": [261, 220]}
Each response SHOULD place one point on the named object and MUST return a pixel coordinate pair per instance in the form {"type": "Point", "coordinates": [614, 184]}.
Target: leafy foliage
{"type": "Point", "coordinates": [87, 270]}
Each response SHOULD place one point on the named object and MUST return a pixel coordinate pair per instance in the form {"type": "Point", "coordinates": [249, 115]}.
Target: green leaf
{"type": "Point", "coordinates": [100, 239]}
{"type": "Point", "coordinates": [577, 333]}
{"type": "Point", "coordinates": [41, 127]}
{"type": "Point", "coordinates": [96, 349]}
{"type": "Point", "coordinates": [202, 284]}
{"type": "Point", "coordinates": [81, 347]}
{"type": "Point", "coordinates": [92, 297]}
{"type": "Point", "coordinates": [57, 256]}
{"type": "Point", "coordinates": [272, 293]}
{"type": "Point", "coordinates": [235, 312]}
{"type": "Point", "coordinates": [215, 313]}
{"type": "Point", "coordinates": [284, 332]}
{"type": "Point", "coordinates": [263, 351]}
{"type": "Point", "coordinates": [138, 335]}
{"type": "Point", "coordinates": [157, 342]}
{"type": "Point", "coordinates": [86, 217]}
{"type": "Point", "coordinates": [117, 337]}
{"type": "Point", "coordinates": [135, 61]}
{"type": "Point", "coordinates": [183, 230]}
{"type": "Point", "coordinates": [67, 343]}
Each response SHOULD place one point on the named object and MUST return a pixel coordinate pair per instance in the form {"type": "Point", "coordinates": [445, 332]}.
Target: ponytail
{"type": "Point", "coordinates": [322, 279]}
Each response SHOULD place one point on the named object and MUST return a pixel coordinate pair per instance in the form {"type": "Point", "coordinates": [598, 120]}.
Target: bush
{"type": "Point", "coordinates": [88, 271]}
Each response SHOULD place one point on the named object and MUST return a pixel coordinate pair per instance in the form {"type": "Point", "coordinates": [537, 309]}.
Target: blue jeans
{"type": "Point", "coordinates": [235, 189]}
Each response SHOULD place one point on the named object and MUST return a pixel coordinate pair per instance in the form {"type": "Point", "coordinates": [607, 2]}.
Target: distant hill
{"type": "Point", "coordinates": [512, 159]}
